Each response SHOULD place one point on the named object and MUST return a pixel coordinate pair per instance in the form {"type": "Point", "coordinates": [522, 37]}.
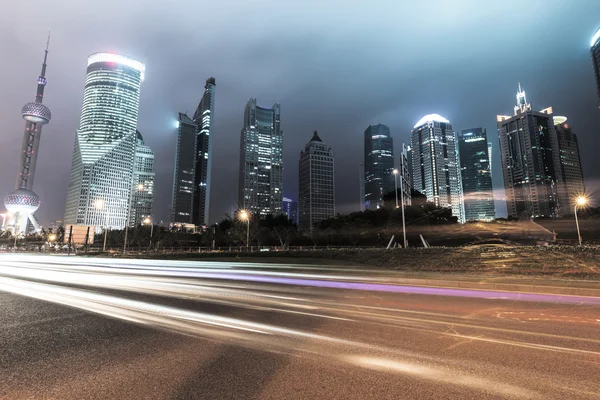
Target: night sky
{"type": "Point", "coordinates": [336, 66]}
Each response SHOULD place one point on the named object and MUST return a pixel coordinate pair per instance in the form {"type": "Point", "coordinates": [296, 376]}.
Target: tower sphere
{"type": "Point", "coordinates": [36, 113]}
{"type": "Point", "coordinates": [22, 201]}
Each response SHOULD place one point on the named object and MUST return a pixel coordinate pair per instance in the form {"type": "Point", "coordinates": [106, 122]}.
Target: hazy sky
{"type": "Point", "coordinates": [334, 65]}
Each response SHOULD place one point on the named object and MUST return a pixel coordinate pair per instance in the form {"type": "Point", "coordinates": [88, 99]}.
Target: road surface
{"type": "Point", "coordinates": [77, 328]}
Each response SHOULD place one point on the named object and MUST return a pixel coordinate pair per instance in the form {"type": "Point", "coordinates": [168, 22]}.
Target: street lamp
{"type": "Point", "coordinates": [148, 221]}
{"type": "Point", "coordinates": [580, 201]}
{"type": "Point", "coordinates": [245, 216]}
{"type": "Point", "coordinates": [52, 238]}
{"type": "Point", "coordinates": [396, 173]}
{"type": "Point", "coordinates": [99, 204]}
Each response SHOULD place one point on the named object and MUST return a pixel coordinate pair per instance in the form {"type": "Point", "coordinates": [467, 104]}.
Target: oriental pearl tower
{"type": "Point", "coordinates": [23, 202]}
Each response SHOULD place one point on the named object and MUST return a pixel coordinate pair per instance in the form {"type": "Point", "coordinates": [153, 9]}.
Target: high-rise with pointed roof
{"type": "Point", "coordinates": [101, 179]}
{"type": "Point", "coordinates": [530, 161]}
{"type": "Point", "coordinates": [316, 183]}
{"type": "Point", "coordinates": [23, 202]}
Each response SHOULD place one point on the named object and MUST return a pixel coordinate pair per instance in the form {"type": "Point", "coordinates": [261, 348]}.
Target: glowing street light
{"type": "Point", "coordinates": [245, 216]}
{"type": "Point", "coordinates": [148, 221]}
{"type": "Point", "coordinates": [52, 238]}
{"type": "Point", "coordinates": [580, 201]}
{"type": "Point", "coordinates": [396, 173]}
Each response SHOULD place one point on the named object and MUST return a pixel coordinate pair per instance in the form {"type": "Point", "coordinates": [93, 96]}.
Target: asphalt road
{"type": "Point", "coordinates": [110, 329]}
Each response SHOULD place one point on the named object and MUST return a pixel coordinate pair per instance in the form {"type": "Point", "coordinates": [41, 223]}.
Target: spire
{"type": "Point", "coordinates": [42, 78]}
{"type": "Point", "coordinates": [315, 137]}
{"type": "Point", "coordinates": [522, 104]}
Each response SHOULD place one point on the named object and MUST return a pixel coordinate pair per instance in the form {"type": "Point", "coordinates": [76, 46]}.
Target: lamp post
{"type": "Point", "coordinates": [245, 216]}
{"type": "Point", "coordinates": [402, 198]}
{"type": "Point", "coordinates": [579, 201]}
{"type": "Point", "coordinates": [148, 221]}
{"type": "Point", "coordinates": [99, 204]}
{"type": "Point", "coordinates": [395, 171]}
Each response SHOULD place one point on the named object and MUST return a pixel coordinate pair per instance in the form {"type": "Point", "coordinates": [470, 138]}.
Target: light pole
{"type": "Point", "coordinates": [395, 171]}
{"type": "Point", "coordinates": [148, 221]}
{"type": "Point", "coordinates": [245, 216]}
{"type": "Point", "coordinates": [402, 195]}
{"type": "Point", "coordinates": [99, 204]}
{"type": "Point", "coordinates": [579, 201]}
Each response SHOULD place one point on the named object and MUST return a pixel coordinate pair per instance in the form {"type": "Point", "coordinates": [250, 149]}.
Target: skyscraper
{"type": "Point", "coordinates": [261, 160]}
{"type": "Point", "coordinates": [529, 155]}
{"type": "Point", "coordinates": [142, 197]}
{"type": "Point", "coordinates": [23, 202]}
{"type": "Point", "coordinates": [435, 164]}
{"type": "Point", "coordinates": [290, 208]}
{"type": "Point", "coordinates": [475, 164]}
{"type": "Point", "coordinates": [570, 163]}
{"type": "Point", "coordinates": [490, 150]}
{"type": "Point", "coordinates": [595, 52]}
{"type": "Point", "coordinates": [203, 118]}
{"type": "Point", "coordinates": [182, 200]}
{"type": "Point", "coordinates": [379, 165]}
{"type": "Point", "coordinates": [317, 183]}
{"type": "Point", "coordinates": [101, 179]}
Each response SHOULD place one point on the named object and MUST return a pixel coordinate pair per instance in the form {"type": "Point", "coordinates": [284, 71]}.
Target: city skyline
{"type": "Point", "coordinates": [397, 107]}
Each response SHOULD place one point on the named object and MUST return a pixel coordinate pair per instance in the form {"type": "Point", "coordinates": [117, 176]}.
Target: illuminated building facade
{"type": "Point", "coordinates": [378, 165]}
{"type": "Point", "coordinates": [203, 118]}
{"type": "Point", "coordinates": [530, 161]}
{"type": "Point", "coordinates": [102, 170]}
{"type": "Point", "coordinates": [142, 197]}
{"type": "Point", "coordinates": [476, 176]}
{"type": "Point", "coordinates": [316, 183]}
{"type": "Point", "coordinates": [182, 201]}
{"type": "Point", "coordinates": [261, 160]}
{"type": "Point", "coordinates": [595, 52]}
{"type": "Point", "coordinates": [435, 164]}
{"type": "Point", "coordinates": [570, 162]}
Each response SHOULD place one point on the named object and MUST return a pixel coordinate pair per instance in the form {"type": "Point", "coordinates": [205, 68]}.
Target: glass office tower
{"type": "Point", "coordinates": [101, 178]}
{"type": "Point", "coordinates": [203, 118]}
{"type": "Point", "coordinates": [261, 160]}
{"type": "Point", "coordinates": [182, 200]}
{"type": "Point", "coordinates": [378, 165]}
{"type": "Point", "coordinates": [435, 164]}
{"type": "Point", "coordinates": [476, 176]}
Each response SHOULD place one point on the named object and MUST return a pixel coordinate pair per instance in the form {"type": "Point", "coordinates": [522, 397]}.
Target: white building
{"type": "Point", "coordinates": [317, 183]}
{"type": "Point", "coordinates": [102, 170]}
{"type": "Point", "coordinates": [435, 164]}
